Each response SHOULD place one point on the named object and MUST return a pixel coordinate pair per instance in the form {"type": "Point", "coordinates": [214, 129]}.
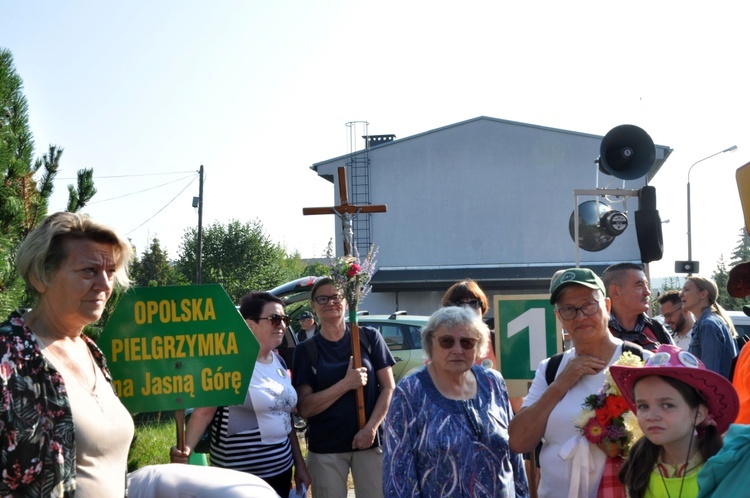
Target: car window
{"type": "Point", "coordinates": [393, 337]}
{"type": "Point", "coordinates": [415, 333]}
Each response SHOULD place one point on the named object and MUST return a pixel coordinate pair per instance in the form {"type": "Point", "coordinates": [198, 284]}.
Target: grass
{"type": "Point", "coordinates": [155, 434]}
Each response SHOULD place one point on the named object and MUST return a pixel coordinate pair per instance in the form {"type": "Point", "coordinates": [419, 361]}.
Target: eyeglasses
{"type": "Point", "coordinates": [570, 312]}
{"type": "Point", "coordinates": [668, 316]}
{"type": "Point", "coordinates": [448, 341]}
{"type": "Point", "coordinates": [323, 300]}
{"type": "Point", "coordinates": [471, 303]}
{"type": "Point", "coordinates": [275, 319]}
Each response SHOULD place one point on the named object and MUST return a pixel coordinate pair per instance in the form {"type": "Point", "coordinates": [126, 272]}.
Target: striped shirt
{"type": "Point", "coordinates": [254, 437]}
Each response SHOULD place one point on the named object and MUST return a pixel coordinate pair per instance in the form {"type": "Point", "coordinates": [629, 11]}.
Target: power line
{"type": "Point", "coordinates": [128, 176]}
{"type": "Point", "coordinates": [140, 191]}
{"type": "Point", "coordinates": [163, 208]}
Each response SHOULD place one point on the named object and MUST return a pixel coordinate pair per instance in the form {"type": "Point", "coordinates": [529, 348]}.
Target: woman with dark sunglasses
{"type": "Point", "coordinates": [256, 437]}
{"type": "Point", "coordinates": [446, 432]}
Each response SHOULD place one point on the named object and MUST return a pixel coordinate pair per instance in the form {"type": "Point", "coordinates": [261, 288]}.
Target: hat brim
{"type": "Point", "coordinates": [564, 285]}
{"type": "Point", "coordinates": [717, 392]}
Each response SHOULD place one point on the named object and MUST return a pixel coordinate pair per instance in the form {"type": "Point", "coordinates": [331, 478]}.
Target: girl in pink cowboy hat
{"type": "Point", "coordinates": [682, 409]}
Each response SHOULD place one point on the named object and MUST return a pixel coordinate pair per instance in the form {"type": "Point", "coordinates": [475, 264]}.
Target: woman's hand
{"type": "Point", "coordinates": [177, 456]}
{"type": "Point", "coordinates": [364, 438]}
{"type": "Point", "coordinates": [579, 366]}
{"type": "Point", "coordinates": [301, 476]}
{"type": "Point", "coordinates": [355, 377]}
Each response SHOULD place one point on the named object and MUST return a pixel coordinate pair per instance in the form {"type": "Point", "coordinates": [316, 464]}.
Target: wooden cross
{"type": "Point", "coordinates": [347, 212]}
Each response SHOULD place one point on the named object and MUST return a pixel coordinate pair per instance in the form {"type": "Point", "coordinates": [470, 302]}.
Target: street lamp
{"type": "Point", "coordinates": [689, 233]}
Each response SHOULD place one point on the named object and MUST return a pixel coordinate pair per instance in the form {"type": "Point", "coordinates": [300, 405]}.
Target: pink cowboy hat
{"type": "Point", "coordinates": [671, 361]}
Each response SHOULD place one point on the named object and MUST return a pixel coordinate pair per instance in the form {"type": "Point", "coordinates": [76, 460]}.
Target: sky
{"type": "Point", "coordinates": [257, 91]}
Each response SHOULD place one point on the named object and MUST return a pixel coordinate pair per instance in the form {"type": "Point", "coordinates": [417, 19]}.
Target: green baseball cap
{"type": "Point", "coordinates": [580, 276]}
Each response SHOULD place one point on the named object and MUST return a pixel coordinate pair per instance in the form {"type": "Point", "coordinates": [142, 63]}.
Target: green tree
{"type": "Point", "coordinates": [721, 277]}
{"type": "Point", "coordinates": [25, 185]}
{"type": "Point", "coordinates": [79, 196]}
{"type": "Point", "coordinates": [239, 256]}
{"type": "Point", "coordinates": [19, 198]}
{"type": "Point", "coordinates": [153, 268]}
{"type": "Point", "coordinates": [740, 254]}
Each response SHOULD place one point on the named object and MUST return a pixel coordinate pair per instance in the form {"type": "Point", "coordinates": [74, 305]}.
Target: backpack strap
{"type": "Point", "coordinates": [310, 347]}
{"type": "Point", "coordinates": [632, 348]}
{"type": "Point", "coordinates": [553, 365]}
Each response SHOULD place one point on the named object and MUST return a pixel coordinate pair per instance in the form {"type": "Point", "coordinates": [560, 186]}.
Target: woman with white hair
{"type": "Point", "coordinates": [713, 333]}
{"type": "Point", "coordinates": [446, 432]}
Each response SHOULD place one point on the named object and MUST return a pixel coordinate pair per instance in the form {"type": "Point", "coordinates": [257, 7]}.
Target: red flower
{"type": "Point", "coordinates": [603, 416]}
{"type": "Point", "coordinates": [615, 406]}
{"type": "Point", "coordinates": [353, 270]}
{"type": "Point", "coordinates": [594, 431]}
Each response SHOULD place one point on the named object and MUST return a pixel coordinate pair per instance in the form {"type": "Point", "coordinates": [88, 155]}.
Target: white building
{"type": "Point", "coordinates": [486, 199]}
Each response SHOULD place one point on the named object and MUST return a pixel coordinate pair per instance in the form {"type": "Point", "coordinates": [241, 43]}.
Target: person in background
{"type": "Point", "coordinates": [679, 320]}
{"type": "Point", "coordinates": [446, 433]}
{"type": "Point", "coordinates": [326, 384]}
{"type": "Point", "coordinates": [628, 289]}
{"type": "Point", "coordinates": [682, 409]}
{"type": "Point", "coordinates": [467, 293]}
{"type": "Point", "coordinates": [307, 326]}
{"type": "Point", "coordinates": [55, 388]}
{"type": "Point", "coordinates": [256, 437]}
{"type": "Point", "coordinates": [714, 336]}
{"type": "Point", "coordinates": [549, 410]}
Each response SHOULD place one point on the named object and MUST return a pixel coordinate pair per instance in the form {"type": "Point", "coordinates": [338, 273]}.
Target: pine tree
{"type": "Point", "coordinates": [153, 269]}
{"type": "Point", "coordinates": [80, 196]}
{"type": "Point", "coordinates": [740, 254]}
{"type": "Point", "coordinates": [24, 199]}
{"type": "Point", "coordinates": [17, 187]}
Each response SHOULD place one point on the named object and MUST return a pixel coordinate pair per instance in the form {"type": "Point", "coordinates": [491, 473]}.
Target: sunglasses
{"type": "Point", "coordinates": [323, 300]}
{"type": "Point", "coordinates": [471, 303]}
{"type": "Point", "coordinates": [448, 342]}
{"type": "Point", "coordinates": [275, 319]}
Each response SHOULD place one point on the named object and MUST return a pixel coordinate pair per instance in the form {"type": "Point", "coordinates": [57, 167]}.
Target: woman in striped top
{"type": "Point", "coordinates": [256, 437]}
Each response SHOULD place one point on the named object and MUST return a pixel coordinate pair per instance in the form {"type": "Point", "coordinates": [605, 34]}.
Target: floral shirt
{"type": "Point", "coordinates": [435, 446]}
{"type": "Point", "coordinates": [37, 438]}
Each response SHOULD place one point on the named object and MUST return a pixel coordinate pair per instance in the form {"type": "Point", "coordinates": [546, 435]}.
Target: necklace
{"type": "Point", "coordinates": [687, 461]}
{"type": "Point", "coordinates": [69, 365]}
{"type": "Point", "coordinates": [682, 482]}
{"type": "Point", "coordinates": [473, 416]}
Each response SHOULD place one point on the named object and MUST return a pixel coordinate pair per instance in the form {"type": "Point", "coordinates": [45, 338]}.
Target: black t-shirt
{"type": "Point", "coordinates": [333, 430]}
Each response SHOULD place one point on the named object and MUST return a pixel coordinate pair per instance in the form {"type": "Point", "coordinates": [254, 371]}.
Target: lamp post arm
{"type": "Point", "coordinates": [728, 149]}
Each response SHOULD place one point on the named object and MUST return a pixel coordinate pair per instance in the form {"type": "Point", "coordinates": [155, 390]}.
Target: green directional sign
{"type": "Point", "coordinates": [527, 333]}
{"type": "Point", "coordinates": [171, 348]}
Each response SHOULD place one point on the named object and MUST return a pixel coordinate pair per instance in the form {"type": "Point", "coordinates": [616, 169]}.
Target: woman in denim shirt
{"type": "Point", "coordinates": [713, 333]}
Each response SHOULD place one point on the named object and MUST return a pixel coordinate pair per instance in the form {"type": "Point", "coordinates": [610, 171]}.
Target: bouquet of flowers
{"type": "Point", "coordinates": [606, 419]}
{"type": "Point", "coordinates": [353, 276]}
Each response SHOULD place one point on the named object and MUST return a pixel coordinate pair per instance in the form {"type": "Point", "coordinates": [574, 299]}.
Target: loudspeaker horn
{"type": "Point", "coordinates": [598, 225]}
{"type": "Point", "coordinates": [626, 152]}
